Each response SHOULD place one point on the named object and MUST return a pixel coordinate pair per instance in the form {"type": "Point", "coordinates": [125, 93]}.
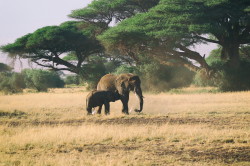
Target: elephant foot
{"type": "Point", "coordinates": [125, 112]}
{"type": "Point", "coordinates": [136, 110]}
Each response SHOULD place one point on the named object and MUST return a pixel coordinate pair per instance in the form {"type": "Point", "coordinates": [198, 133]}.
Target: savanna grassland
{"type": "Point", "coordinates": [186, 127]}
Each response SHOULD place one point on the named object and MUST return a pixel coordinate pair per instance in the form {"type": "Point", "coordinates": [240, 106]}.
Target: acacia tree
{"type": "Point", "coordinates": [104, 12]}
{"type": "Point", "coordinates": [169, 29]}
{"type": "Point", "coordinates": [47, 46]}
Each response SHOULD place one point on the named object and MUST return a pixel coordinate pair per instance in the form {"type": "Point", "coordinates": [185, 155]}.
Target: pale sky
{"type": "Point", "coordinates": [19, 17]}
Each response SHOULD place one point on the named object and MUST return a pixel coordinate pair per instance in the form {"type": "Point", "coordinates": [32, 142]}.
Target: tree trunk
{"type": "Point", "coordinates": [230, 52]}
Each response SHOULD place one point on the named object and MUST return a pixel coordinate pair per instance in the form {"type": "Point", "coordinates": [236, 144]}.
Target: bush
{"type": "Point", "coordinates": [11, 82]}
{"type": "Point", "coordinates": [125, 69]}
{"type": "Point", "coordinates": [72, 79]}
{"type": "Point", "coordinates": [5, 68]}
{"type": "Point", "coordinates": [41, 80]}
{"type": "Point", "coordinates": [95, 71]}
{"type": "Point", "coordinates": [111, 66]}
{"type": "Point", "coordinates": [236, 79]}
{"type": "Point", "coordinates": [156, 77]}
{"type": "Point", "coordinates": [225, 77]}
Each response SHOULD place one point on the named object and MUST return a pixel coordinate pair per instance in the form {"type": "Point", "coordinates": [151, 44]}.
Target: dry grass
{"type": "Point", "coordinates": [175, 129]}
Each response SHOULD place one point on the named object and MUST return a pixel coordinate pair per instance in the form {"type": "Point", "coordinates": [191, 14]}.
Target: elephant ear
{"type": "Point", "coordinates": [122, 83]}
{"type": "Point", "coordinates": [134, 79]}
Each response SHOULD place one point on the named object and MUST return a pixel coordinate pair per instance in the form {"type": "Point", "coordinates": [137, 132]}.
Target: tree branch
{"type": "Point", "coordinates": [179, 62]}
{"type": "Point", "coordinates": [52, 67]}
{"type": "Point", "coordinates": [207, 40]}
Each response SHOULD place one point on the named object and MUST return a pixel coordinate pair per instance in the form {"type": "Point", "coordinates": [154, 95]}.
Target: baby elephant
{"type": "Point", "coordinates": [98, 98]}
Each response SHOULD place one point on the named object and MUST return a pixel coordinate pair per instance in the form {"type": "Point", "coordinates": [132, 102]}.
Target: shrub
{"type": "Point", "coordinates": [236, 79]}
{"type": "Point", "coordinates": [5, 68]}
{"type": "Point", "coordinates": [41, 80]}
{"type": "Point", "coordinates": [95, 71]}
{"type": "Point", "coordinates": [125, 69]}
{"type": "Point", "coordinates": [72, 79]}
{"type": "Point", "coordinates": [225, 78]}
{"type": "Point", "coordinates": [111, 66]}
{"type": "Point", "coordinates": [156, 77]}
{"type": "Point", "coordinates": [11, 82]}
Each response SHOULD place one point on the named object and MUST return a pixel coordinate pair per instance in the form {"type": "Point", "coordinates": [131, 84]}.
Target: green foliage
{"type": "Point", "coordinates": [5, 68]}
{"type": "Point", "coordinates": [225, 77]}
{"type": "Point", "coordinates": [245, 52]}
{"type": "Point", "coordinates": [129, 34]}
{"type": "Point", "coordinates": [201, 79]}
{"type": "Point", "coordinates": [157, 78]}
{"type": "Point", "coordinates": [72, 79]}
{"type": "Point", "coordinates": [214, 57]}
{"type": "Point", "coordinates": [104, 11]}
{"type": "Point", "coordinates": [236, 80]}
{"type": "Point", "coordinates": [11, 82]}
{"type": "Point", "coordinates": [46, 46]}
{"type": "Point", "coordinates": [112, 65]}
{"type": "Point", "coordinates": [95, 69]}
{"type": "Point", "coordinates": [41, 80]}
{"type": "Point", "coordinates": [97, 66]}
{"type": "Point", "coordinates": [58, 39]}
{"type": "Point", "coordinates": [70, 57]}
{"type": "Point", "coordinates": [125, 69]}
{"type": "Point", "coordinates": [17, 48]}
{"type": "Point", "coordinates": [171, 26]}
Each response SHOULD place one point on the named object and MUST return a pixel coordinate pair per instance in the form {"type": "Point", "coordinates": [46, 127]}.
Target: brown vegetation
{"type": "Point", "coordinates": [189, 128]}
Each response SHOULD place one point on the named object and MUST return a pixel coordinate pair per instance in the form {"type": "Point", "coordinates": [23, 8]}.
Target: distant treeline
{"type": "Point", "coordinates": [151, 38]}
{"type": "Point", "coordinates": [40, 80]}
{"type": "Point", "coordinates": [155, 77]}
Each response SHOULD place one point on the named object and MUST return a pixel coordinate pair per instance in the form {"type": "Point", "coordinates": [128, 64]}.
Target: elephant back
{"type": "Point", "coordinates": [107, 82]}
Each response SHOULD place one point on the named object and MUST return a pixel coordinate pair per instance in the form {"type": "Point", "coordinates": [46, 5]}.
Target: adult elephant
{"type": "Point", "coordinates": [123, 83]}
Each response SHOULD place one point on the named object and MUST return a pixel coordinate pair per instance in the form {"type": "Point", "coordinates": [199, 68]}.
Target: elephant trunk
{"type": "Point", "coordinates": [138, 93]}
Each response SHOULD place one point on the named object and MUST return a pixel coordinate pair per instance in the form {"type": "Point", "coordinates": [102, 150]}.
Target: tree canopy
{"type": "Point", "coordinates": [48, 45]}
{"type": "Point", "coordinates": [162, 30]}
{"type": "Point", "coordinates": [170, 29]}
{"type": "Point", "coordinates": [106, 11]}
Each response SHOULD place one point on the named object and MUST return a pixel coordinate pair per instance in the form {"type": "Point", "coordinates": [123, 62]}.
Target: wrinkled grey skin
{"type": "Point", "coordinates": [123, 83]}
{"type": "Point", "coordinates": [99, 98]}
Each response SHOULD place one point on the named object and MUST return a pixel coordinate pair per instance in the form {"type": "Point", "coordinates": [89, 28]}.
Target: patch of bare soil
{"type": "Point", "coordinates": [225, 155]}
{"type": "Point", "coordinates": [236, 154]}
{"type": "Point", "coordinates": [215, 122]}
{"type": "Point", "coordinates": [218, 122]}
{"type": "Point", "coordinates": [158, 150]}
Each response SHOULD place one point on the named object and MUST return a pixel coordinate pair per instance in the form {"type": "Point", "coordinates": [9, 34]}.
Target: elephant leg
{"type": "Point", "coordinates": [89, 110]}
{"type": "Point", "coordinates": [107, 108]}
{"type": "Point", "coordinates": [99, 111]}
{"type": "Point", "coordinates": [125, 105]}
